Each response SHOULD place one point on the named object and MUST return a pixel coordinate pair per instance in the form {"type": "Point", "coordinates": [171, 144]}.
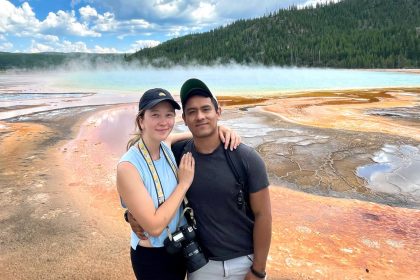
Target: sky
{"type": "Point", "coordinates": [118, 26]}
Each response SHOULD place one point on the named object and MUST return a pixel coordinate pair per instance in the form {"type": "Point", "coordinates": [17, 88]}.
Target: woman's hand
{"type": "Point", "coordinates": [229, 137]}
{"type": "Point", "coordinates": [186, 170]}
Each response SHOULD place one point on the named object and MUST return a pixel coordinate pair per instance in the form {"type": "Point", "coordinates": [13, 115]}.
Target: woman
{"type": "Point", "coordinates": [155, 200]}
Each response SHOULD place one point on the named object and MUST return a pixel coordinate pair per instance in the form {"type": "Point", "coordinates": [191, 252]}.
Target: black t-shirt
{"type": "Point", "coordinates": [224, 231]}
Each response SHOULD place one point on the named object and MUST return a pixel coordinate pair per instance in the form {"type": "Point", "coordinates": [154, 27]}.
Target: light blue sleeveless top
{"type": "Point", "coordinates": [168, 182]}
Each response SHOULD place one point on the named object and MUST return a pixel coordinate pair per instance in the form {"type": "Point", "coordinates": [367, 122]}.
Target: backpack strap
{"type": "Point", "coordinates": [241, 175]}
{"type": "Point", "coordinates": [236, 165]}
{"type": "Point", "coordinates": [180, 148]}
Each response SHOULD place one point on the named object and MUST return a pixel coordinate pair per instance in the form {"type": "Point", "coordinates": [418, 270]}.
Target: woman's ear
{"type": "Point", "coordinates": [139, 121]}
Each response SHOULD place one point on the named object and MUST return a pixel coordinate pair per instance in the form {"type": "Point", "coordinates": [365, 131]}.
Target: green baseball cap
{"type": "Point", "coordinates": [194, 87]}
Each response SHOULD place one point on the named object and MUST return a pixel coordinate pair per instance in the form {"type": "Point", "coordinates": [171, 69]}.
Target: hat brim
{"type": "Point", "coordinates": [157, 101]}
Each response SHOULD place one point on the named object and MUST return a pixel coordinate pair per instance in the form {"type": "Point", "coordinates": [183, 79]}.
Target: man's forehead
{"type": "Point", "coordinates": [198, 101]}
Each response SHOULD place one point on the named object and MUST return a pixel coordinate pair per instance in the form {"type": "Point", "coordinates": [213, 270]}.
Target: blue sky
{"type": "Point", "coordinates": [123, 26]}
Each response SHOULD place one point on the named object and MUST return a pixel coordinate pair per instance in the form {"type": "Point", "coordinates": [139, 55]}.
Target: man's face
{"type": "Point", "coordinates": [200, 116]}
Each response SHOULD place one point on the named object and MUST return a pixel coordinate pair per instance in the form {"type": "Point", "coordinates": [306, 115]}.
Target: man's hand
{"type": "Point", "coordinates": [138, 230]}
{"type": "Point", "coordinates": [251, 276]}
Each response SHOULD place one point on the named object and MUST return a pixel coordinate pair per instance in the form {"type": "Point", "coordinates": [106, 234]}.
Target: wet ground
{"type": "Point", "coordinates": [339, 163]}
{"type": "Point", "coordinates": [49, 229]}
{"type": "Point", "coordinates": [331, 162]}
{"type": "Point", "coordinates": [61, 216]}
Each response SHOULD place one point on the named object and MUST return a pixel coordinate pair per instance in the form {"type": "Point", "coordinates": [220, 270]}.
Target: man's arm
{"type": "Point", "coordinates": [260, 205]}
{"type": "Point", "coordinates": [138, 230]}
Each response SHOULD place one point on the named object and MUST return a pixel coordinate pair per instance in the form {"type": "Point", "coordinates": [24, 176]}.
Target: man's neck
{"type": "Point", "coordinates": [207, 145]}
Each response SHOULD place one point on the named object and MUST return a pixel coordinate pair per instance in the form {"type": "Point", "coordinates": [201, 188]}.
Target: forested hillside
{"type": "Point", "coordinates": [349, 34]}
{"type": "Point", "coordinates": [51, 60]}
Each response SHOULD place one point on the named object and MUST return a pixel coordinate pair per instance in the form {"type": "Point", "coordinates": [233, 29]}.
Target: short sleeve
{"type": "Point", "coordinates": [257, 173]}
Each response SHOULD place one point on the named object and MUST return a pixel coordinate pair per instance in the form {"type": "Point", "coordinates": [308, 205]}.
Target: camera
{"type": "Point", "coordinates": [184, 239]}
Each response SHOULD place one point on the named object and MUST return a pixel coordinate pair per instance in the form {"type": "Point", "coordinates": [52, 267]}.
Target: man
{"type": "Point", "coordinates": [235, 240]}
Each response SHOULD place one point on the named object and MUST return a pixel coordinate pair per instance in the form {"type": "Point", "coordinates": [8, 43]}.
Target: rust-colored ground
{"type": "Point", "coordinates": [61, 217]}
{"type": "Point", "coordinates": [346, 110]}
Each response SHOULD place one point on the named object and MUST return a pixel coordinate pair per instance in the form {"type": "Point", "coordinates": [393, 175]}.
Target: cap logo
{"type": "Point", "coordinates": [162, 94]}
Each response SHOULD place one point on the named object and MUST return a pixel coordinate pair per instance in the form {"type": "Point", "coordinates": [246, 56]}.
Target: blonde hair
{"type": "Point", "coordinates": [137, 133]}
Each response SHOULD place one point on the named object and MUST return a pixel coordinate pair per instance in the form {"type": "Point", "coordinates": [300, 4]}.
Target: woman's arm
{"type": "Point", "coordinates": [139, 202]}
{"type": "Point", "coordinates": [227, 136]}
{"type": "Point", "coordinates": [176, 137]}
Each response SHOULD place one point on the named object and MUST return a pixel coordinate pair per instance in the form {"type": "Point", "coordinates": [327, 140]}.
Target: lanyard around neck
{"type": "Point", "coordinates": [156, 180]}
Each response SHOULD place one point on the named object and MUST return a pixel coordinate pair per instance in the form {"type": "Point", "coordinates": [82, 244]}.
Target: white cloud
{"type": "Point", "coordinates": [99, 49]}
{"type": "Point", "coordinates": [6, 46]}
{"type": "Point", "coordinates": [65, 23]}
{"type": "Point", "coordinates": [16, 20]}
{"type": "Point", "coordinates": [139, 23]}
{"type": "Point", "coordinates": [313, 3]}
{"type": "Point", "coordinates": [141, 44]}
{"type": "Point", "coordinates": [51, 38]}
{"type": "Point", "coordinates": [188, 11]}
{"type": "Point", "coordinates": [167, 7]}
{"type": "Point", "coordinates": [107, 22]}
{"type": "Point", "coordinates": [46, 38]}
{"type": "Point", "coordinates": [38, 47]}
{"type": "Point", "coordinates": [122, 18]}
{"type": "Point", "coordinates": [67, 46]}
{"type": "Point", "coordinates": [180, 17]}
{"type": "Point", "coordinates": [205, 11]}
{"type": "Point", "coordinates": [88, 12]}
{"type": "Point", "coordinates": [22, 22]}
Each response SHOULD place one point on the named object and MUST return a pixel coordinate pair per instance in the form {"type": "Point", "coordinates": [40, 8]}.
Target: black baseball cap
{"type": "Point", "coordinates": [154, 96]}
{"type": "Point", "coordinates": [193, 87]}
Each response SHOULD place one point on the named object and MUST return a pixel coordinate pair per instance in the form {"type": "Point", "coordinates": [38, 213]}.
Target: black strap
{"type": "Point", "coordinates": [180, 148]}
{"type": "Point", "coordinates": [234, 168]}
{"type": "Point", "coordinates": [235, 164]}
{"type": "Point", "coordinates": [238, 170]}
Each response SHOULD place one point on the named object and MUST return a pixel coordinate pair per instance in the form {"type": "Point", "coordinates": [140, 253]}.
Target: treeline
{"type": "Point", "coordinates": [55, 60]}
{"type": "Point", "coordinates": [349, 34]}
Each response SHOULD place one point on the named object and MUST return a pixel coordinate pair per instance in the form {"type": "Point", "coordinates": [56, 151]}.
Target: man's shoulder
{"type": "Point", "coordinates": [245, 151]}
{"type": "Point", "coordinates": [178, 148]}
{"type": "Point", "coordinates": [180, 144]}
{"type": "Point", "coordinates": [244, 148]}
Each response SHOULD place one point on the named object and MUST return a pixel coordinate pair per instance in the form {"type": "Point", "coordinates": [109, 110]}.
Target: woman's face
{"type": "Point", "coordinates": [158, 121]}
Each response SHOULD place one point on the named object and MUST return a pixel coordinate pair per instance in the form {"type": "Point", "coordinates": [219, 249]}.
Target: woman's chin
{"type": "Point", "coordinates": [162, 136]}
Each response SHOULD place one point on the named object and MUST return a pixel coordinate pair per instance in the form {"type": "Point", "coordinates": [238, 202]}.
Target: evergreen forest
{"type": "Point", "coordinates": [348, 34]}
{"type": "Point", "coordinates": [55, 59]}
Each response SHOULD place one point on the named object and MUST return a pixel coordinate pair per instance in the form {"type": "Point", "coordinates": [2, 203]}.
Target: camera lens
{"type": "Point", "coordinates": [191, 249]}
{"type": "Point", "coordinates": [195, 258]}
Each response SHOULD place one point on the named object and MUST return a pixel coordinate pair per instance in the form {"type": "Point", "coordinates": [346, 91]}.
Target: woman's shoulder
{"type": "Point", "coordinates": [131, 154]}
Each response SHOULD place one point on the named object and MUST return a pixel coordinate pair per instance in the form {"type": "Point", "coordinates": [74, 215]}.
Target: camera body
{"type": "Point", "coordinates": [184, 239]}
